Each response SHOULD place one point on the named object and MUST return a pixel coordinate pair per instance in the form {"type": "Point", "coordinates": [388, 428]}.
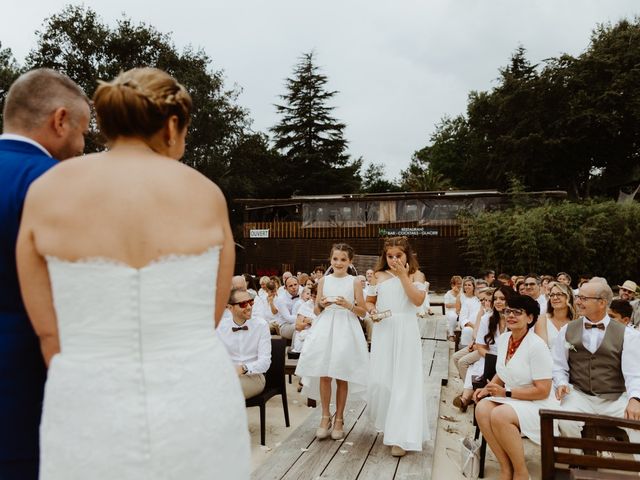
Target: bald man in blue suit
{"type": "Point", "coordinates": [45, 118]}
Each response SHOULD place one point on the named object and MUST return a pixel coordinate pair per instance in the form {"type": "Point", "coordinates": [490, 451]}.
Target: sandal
{"type": "Point", "coordinates": [461, 403]}
{"type": "Point", "coordinates": [322, 433]}
{"type": "Point", "coordinates": [338, 434]}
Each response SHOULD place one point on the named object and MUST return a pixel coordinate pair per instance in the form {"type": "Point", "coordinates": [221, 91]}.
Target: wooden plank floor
{"type": "Point", "coordinates": [362, 455]}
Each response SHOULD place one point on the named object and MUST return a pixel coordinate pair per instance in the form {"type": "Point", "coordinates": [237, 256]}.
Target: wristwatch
{"type": "Point", "coordinates": [507, 392]}
{"type": "Point", "coordinates": [244, 369]}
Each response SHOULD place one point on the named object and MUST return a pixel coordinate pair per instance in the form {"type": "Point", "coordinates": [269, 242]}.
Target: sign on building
{"type": "Point", "coordinates": [259, 233]}
{"type": "Point", "coordinates": [409, 232]}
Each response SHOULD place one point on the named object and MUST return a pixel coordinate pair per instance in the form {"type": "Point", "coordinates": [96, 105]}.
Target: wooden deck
{"type": "Point", "coordinates": [361, 455]}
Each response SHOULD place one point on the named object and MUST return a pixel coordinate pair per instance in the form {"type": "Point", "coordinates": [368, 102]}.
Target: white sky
{"type": "Point", "coordinates": [399, 66]}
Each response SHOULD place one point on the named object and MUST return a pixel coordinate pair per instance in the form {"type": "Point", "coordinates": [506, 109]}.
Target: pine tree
{"type": "Point", "coordinates": [310, 139]}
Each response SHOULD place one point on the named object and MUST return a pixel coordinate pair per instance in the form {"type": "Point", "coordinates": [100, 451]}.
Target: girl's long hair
{"type": "Point", "coordinates": [494, 319]}
{"type": "Point", "coordinates": [403, 244]}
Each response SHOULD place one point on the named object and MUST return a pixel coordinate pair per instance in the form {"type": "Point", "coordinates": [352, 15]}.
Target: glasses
{"type": "Point", "coordinates": [244, 304]}
{"type": "Point", "coordinates": [516, 311]}
{"type": "Point", "coordinates": [557, 295]}
{"type": "Point", "coordinates": [582, 298]}
{"type": "Point", "coordinates": [530, 284]}
{"type": "Point", "coordinates": [486, 300]}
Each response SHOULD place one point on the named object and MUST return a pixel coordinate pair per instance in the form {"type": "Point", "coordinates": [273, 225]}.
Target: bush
{"type": "Point", "coordinates": [599, 238]}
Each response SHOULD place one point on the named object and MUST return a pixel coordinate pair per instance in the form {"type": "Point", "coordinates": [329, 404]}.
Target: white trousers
{"type": "Point", "coordinates": [576, 401]}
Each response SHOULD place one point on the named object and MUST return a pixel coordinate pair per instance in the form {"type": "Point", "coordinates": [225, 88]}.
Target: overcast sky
{"type": "Point", "coordinates": [399, 66]}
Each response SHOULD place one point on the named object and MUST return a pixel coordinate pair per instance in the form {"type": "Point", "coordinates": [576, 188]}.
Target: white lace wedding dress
{"type": "Point", "coordinates": [142, 388]}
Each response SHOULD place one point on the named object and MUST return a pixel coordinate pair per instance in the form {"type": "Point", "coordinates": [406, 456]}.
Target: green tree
{"type": "Point", "coordinates": [77, 42]}
{"type": "Point", "coordinates": [9, 71]}
{"type": "Point", "coordinates": [571, 123]}
{"type": "Point", "coordinates": [310, 139]}
{"type": "Point", "coordinates": [420, 177]}
{"type": "Point", "coordinates": [374, 181]}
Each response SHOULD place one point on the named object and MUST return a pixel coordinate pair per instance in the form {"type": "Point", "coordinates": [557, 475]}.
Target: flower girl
{"type": "Point", "coordinates": [335, 347]}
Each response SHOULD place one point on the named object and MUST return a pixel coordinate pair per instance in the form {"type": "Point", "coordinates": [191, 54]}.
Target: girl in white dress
{"type": "Point", "coordinates": [335, 347]}
{"type": "Point", "coordinates": [560, 311]}
{"type": "Point", "coordinates": [450, 301]}
{"type": "Point", "coordinates": [395, 400]}
{"type": "Point", "coordinates": [521, 386]}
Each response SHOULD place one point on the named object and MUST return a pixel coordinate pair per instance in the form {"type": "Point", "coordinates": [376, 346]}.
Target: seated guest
{"type": "Point", "coordinates": [627, 291]}
{"type": "Point", "coordinates": [595, 362]}
{"type": "Point", "coordinates": [305, 319]}
{"type": "Point", "coordinates": [521, 386]}
{"type": "Point", "coordinates": [533, 289]}
{"type": "Point", "coordinates": [468, 355]}
{"type": "Point", "coordinates": [450, 299]}
{"type": "Point", "coordinates": [286, 306]}
{"type": "Point", "coordinates": [621, 311]}
{"type": "Point", "coordinates": [492, 325]}
{"type": "Point", "coordinates": [560, 311]}
{"type": "Point", "coordinates": [262, 293]}
{"type": "Point", "coordinates": [564, 277]}
{"type": "Point", "coordinates": [469, 306]}
{"type": "Point", "coordinates": [248, 342]}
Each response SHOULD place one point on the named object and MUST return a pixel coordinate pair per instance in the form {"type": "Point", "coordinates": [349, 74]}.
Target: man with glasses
{"type": "Point", "coordinates": [532, 288]}
{"type": "Point", "coordinates": [596, 362]}
{"type": "Point", "coordinates": [248, 342]}
{"type": "Point", "coordinates": [627, 291]}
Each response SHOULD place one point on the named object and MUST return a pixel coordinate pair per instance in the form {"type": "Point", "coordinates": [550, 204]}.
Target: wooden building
{"type": "Point", "coordinates": [296, 233]}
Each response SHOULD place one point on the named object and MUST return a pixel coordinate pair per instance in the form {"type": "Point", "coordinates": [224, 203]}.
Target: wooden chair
{"type": "Point", "coordinates": [590, 447]}
{"type": "Point", "coordinates": [275, 384]}
{"type": "Point", "coordinates": [488, 374]}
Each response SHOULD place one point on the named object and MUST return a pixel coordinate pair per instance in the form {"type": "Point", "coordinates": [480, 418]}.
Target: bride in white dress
{"type": "Point", "coordinates": [125, 260]}
{"type": "Point", "coordinates": [395, 401]}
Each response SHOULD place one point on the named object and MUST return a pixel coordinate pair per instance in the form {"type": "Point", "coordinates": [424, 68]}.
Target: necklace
{"type": "Point", "coordinates": [513, 345]}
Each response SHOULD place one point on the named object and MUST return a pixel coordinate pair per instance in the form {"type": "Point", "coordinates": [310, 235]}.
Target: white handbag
{"type": "Point", "coordinates": [470, 457]}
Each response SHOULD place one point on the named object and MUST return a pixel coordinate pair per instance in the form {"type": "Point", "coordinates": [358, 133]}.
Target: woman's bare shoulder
{"type": "Point", "coordinates": [418, 276]}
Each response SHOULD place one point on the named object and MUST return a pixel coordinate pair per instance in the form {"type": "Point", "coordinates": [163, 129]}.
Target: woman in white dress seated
{"type": "Point", "coordinates": [521, 386]}
{"type": "Point", "coordinates": [125, 260]}
{"type": "Point", "coordinates": [560, 311]}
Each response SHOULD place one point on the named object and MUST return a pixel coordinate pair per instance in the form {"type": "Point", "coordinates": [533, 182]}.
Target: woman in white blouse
{"type": "Point", "coordinates": [560, 311]}
{"type": "Point", "coordinates": [521, 386]}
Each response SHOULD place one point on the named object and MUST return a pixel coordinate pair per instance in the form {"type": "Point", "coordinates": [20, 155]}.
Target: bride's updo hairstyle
{"type": "Point", "coordinates": [138, 102]}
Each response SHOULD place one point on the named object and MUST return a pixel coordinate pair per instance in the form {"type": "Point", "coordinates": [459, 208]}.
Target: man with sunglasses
{"type": "Point", "coordinates": [596, 362]}
{"type": "Point", "coordinates": [248, 342]}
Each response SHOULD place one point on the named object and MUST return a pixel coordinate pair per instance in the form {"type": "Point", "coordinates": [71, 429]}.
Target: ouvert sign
{"type": "Point", "coordinates": [259, 233]}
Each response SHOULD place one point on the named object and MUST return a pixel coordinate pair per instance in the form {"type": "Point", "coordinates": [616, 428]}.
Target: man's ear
{"type": "Point", "coordinates": [59, 120]}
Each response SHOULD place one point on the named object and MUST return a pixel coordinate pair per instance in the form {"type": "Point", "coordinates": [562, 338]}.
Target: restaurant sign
{"type": "Point", "coordinates": [259, 233]}
{"type": "Point", "coordinates": [408, 232]}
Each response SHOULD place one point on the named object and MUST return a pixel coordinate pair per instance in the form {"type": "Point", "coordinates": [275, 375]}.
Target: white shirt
{"type": "Point", "coordinates": [285, 305]}
{"type": "Point", "coordinates": [450, 298]}
{"type": "Point", "coordinates": [469, 309]}
{"type": "Point", "coordinates": [251, 347]}
{"type": "Point", "coordinates": [592, 339]}
{"type": "Point", "coordinates": [21, 138]}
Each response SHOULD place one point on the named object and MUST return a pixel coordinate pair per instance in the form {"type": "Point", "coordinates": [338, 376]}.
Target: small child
{"type": "Point", "coordinates": [305, 319]}
{"type": "Point", "coordinates": [335, 347]}
{"type": "Point", "coordinates": [621, 311]}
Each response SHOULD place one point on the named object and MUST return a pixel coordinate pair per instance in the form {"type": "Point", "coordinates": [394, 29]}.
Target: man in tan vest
{"type": "Point", "coordinates": [595, 362]}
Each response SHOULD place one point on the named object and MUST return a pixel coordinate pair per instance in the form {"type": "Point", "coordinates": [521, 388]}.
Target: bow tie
{"type": "Point", "coordinates": [235, 329]}
{"type": "Point", "coordinates": [589, 326]}
{"type": "Point", "coordinates": [294, 297]}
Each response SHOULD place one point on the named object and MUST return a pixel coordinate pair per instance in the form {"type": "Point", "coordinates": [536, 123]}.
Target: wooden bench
{"type": "Point", "coordinates": [591, 457]}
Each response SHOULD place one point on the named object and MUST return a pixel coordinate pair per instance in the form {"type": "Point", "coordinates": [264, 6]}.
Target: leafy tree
{"type": "Point", "coordinates": [571, 123]}
{"type": "Point", "coordinates": [374, 181]}
{"type": "Point", "coordinates": [76, 42]}
{"type": "Point", "coordinates": [551, 238]}
{"type": "Point", "coordinates": [419, 177]}
{"type": "Point", "coordinates": [310, 139]}
{"type": "Point", "coordinates": [9, 71]}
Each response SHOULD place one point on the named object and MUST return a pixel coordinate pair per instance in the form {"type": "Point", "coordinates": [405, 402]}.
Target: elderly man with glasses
{"type": "Point", "coordinates": [248, 342]}
{"type": "Point", "coordinates": [596, 362]}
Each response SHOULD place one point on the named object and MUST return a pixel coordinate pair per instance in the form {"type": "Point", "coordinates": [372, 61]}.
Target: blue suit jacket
{"type": "Point", "coordinates": [22, 369]}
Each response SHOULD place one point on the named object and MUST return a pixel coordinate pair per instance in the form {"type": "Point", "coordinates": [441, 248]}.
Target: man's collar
{"type": "Point", "coordinates": [22, 138]}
